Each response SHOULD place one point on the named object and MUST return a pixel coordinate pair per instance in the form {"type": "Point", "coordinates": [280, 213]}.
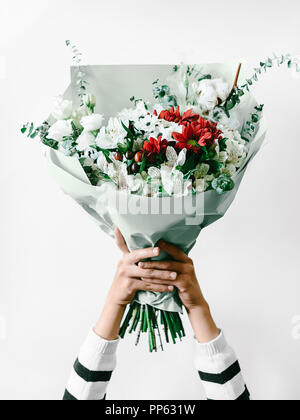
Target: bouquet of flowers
{"type": "Point", "coordinates": [159, 169]}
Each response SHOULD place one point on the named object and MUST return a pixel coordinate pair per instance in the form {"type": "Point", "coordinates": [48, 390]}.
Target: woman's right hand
{"type": "Point", "coordinates": [128, 277]}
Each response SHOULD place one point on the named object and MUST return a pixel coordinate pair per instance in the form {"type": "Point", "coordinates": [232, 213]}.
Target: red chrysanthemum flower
{"type": "Point", "coordinates": [154, 147]}
{"type": "Point", "coordinates": [173, 115]}
{"type": "Point", "coordinates": [197, 133]}
{"type": "Point", "coordinates": [189, 117]}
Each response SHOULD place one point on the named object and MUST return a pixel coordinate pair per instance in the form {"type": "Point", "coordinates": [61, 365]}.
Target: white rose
{"type": "Point", "coordinates": [92, 122]}
{"type": "Point", "coordinates": [84, 141]}
{"type": "Point", "coordinates": [62, 109]}
{"type": "Point", "coordinates": [59, 130]}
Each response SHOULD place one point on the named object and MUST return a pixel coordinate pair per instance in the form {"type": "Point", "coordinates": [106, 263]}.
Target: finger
{"type": "Point", "coordinates": [159, 281]}
{"type": "Point", "coordinates": [121, 241]}
{"type": "Point", "coordinates": [164, 265]}
{"type": "Point", "coordinates": [143, 254]}
{"type": "Point", "coordinates": [175, 252]}
{"type": "Point", "coordinates": [148, 287]}
{"type": "Point", "coordinates": [137, 272]}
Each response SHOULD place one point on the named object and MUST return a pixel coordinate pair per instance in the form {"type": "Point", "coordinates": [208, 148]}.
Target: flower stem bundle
{"type": "Point", "coordinates": [142, 318]}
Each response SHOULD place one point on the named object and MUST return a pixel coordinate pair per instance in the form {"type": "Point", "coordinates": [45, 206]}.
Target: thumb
{"type": "Point", "coordinates": [120, 241]}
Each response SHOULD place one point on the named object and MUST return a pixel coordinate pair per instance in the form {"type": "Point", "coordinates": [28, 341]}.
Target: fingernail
{"type": "Point", "coordinates": [173, 275]}
{"type": "Point", "coordinates": [170, 288]}
{"type": "Point", "coordinates": [156, 251]}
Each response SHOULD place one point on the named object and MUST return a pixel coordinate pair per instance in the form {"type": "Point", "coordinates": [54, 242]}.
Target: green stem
{"type": "Point", "coordinates": [144, 318]}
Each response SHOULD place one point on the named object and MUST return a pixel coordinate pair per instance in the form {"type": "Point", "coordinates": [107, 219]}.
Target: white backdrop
{"type": "Point", "coordinates": [56, 265]}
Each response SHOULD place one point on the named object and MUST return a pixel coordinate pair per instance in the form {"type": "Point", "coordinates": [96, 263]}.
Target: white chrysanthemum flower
{"type": "Point", "coordinates": [146, 123]}
{"type": "Point", "coordinates": [85, 141]}
{"type": "Point", "coordinates": [133, 114]}
{"type": "Point", "coordinates": [92, 122]}
{"type": "Point", "coordinates": [60, 129]}
{"type": "Point", "coordinates": [62, 109]}
{"type": "Point", "coordinates": [158, 108]}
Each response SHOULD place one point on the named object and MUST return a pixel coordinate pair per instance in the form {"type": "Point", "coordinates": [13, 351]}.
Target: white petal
{"type": "Point", "coordinates": [154, 172]}
{"type": "Point", "coordinates": [171, 155]}
{"type": "Point", "coordinates": [181, 158]}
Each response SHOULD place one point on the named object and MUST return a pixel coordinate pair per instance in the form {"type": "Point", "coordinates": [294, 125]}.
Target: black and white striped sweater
{"type": "Point", "coordinates": [215, 362]}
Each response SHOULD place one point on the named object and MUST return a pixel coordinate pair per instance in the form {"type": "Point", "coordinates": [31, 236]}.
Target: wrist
{"type": "Point", "coordinates": [111, 303]}
{"type": "Point", "coordinates": [203, 325]}
{"type": "Point", "coordinates": [201, 307]}
{"type": "Point", "coordinates": [108, 326]}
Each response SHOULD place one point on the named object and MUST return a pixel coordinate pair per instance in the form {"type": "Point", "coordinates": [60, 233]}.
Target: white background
{"type": "Point", "coordinates": [56, 265]}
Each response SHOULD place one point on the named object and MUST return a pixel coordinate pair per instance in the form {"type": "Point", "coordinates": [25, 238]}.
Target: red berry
{"type": "Point", "coordinates": [129, 155]}
{"type": "Point", "coordinates": [135, 168]}
{"type": "Point", "coordinates": [119, 156]}
{"type": "Point", "coordinates": [138, 157]}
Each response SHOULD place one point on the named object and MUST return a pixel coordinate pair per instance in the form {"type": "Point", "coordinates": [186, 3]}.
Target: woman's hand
{"type": "Point", "coordinates": [128, 279]}
{"type": "Point", "coordinates": [186, 280]}
{"type": "Point", "coordinates": [125, 285]}
{"type": "Point", "coordinates": [189, 290]}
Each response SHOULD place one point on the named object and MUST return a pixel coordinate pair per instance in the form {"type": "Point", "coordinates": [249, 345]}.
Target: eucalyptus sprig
{"type": "Point", "coordinates": [80, 77]}
{"type": "Point", "coordinates": [237, 92]}
{"type": "Point", "coordinates": [251, 125]}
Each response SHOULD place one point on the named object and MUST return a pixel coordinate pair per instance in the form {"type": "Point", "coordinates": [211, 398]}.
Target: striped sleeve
{"type": "Point", "coordinates": [92, 370]}
{"type": "Point", "coordinates": [219, 371]}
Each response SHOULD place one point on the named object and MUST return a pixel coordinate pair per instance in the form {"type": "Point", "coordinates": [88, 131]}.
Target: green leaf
{"type": "Point", "coordinates": [129, 132]}
{"type": "Point", "coordinates": [143, 165]}
{"type": "Point", "coordinates": [189, 165]}
{"type": "Point", "coordinates": [53, 144]}
{"type": "Point", "coordinates": [229, 104]}
{"type": "Point", "coordinates": [122, 148]}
